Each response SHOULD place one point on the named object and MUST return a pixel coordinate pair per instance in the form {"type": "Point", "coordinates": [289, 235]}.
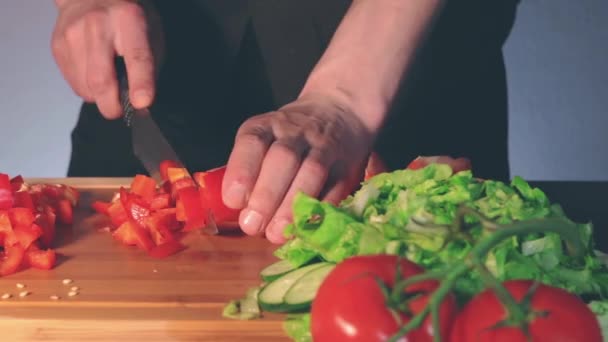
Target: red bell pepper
{"type": "Point", "coordinates": [16, 183]}
{"type": "Point", "coordinates": [26, 235]}
{"type": "Point", "coordinates": [137, 209]}
{"type": "Point", "coordinates": [21, 216]}
{"type": "Point", "coordinates": [117, 213]}
{"type": "Point", "coordinates": [160, 201]}
{"type": "Point", "coordinates": [143, 186]}
{"type": "Point", "coordinates": [129, 233]}
{"type": "Point", "coordinates": [210, 184]}
{"type": "Point", "coordinates": [195, 215]}
{"type": "Point", "coordinates": [23, 199]}
{"type": "Point", "coordinates": [11, 259]}
{"type": "Point", "coordinates": [157, 225]}
{"type": "Point", "coordinates": [101, 207]}
{"type": "Point", "coordinates": [41, 259]}
{"type": "Point", "coordinates": [176, 173]}
{"type": "Point", "coordinates": [65, 211]}
{"type": "Point", "coordinates": [46, 221]}
{"type": "Point", "coordinates": [6, 192]}
{"type": "Point", "coordinates": [165, 165]}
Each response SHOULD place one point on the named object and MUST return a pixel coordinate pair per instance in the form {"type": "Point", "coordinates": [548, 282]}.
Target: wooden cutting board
{"type": "Point", "coordinates": [124, 295]}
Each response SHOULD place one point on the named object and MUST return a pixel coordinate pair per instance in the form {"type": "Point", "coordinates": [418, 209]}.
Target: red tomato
{"type": "Point", "coordinates": [457, 164]}
{"type": "Point", "coordinates": [11, 259]}
{"type": "Point", "coordinates": [350, 305]}
{"type": "Point", "coordinates": [566, 317]}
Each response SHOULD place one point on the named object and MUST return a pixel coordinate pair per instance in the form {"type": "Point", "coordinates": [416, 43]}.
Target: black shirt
{"type": "Point", "coordinates": [230, 59]}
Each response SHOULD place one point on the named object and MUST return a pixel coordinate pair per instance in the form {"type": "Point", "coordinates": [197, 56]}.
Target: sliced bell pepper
{"type": "Point", "coordinates": [129, 233]}
{"type": "Point", "coordinates": [101, 207]}
{"type": "Point", "coordinates": [21, 216]}
{"type": "Point", "coordinates": [176, 173]}
{"type": "Point", "coordinates": [166, 249]}
{"type": "Point", "coordinates": [65, 212]}
{"type": "Point", "coordinates": [23, 199]}
{"type": "Point", "coordinates": [6, 192]}
{"type": "Point", "coordinates": [6, 228]}
{"type": "Point", "coordinates": [11, 259]}
{"type": "Point", "coordinates": [27, 234]}
{"type": "Point", "coordinates": [41, 259]}
{"type": "Point", "coordinates": [169, 218]}
{"type": "Point", "coordinates": [118, 214]}
{"type": "Point", "coordinates": [160, 201]}
{"type": "Point", "coordinates": [210, 184]}
{"type": "Point", "coordinates": [196, 215]}
{"type": "Point", "coordinates": [180, 211]}
{"type": "Point", "coordinates": [164, 167]}
{"type": "Point", "coordinates": [46, 221]}
{"type": "Point", "coordinates": [158, 228]}
{"type": "Point", "coordinates": [137, 209]}
{"type": "Point", "coordinates": [143, 186]}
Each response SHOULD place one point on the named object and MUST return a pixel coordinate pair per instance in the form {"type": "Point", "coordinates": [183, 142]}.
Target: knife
{"type": "Point", "coordinates": [149, 144]}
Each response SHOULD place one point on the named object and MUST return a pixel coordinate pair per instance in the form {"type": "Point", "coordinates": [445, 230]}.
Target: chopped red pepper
{"type": "Point", "coordinates": [6, 192]}
{"type": "Point", "coordinates": [158, 228]}
{"type": "Point", "coordinates": [117, 213]}
{"type": "Point", "coordinates": [143, 186]}
{"type": "Point", "coordinates": [137, 209]}
{"type": "Point", "coordinates": [165, 165]}
{"type": "Point", "coordinates": [65, 211]}
{"type": "Point", "coordinates": [160, 201]}
{"type": "Point", "coordinates": [21, 216]}
{"type": "Point", "coordinates": [176, 173]}
{"type": "Point", "coordinates": [17, 183]}
{"type": "Point", "coordinates": [196, 216]}
{"type": "Point", "coordinates": [101, 207]}
{"type": "Point", "coordinates": [46, 221]}
{"type": "Point", "coordinates": [11, 259]}
{"type": "Point", "coordinates": [210, 184]}
{"type": "Point", "coordinates": [41, 259]}
{"type": "Point", "coordinates": [23, 199]}
{"type": "Point", "coordinates": [26, 235]}
{"type": "Point", "coordinates": [129, 233]}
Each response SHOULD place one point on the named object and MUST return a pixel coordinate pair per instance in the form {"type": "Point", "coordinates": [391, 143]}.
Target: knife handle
{"type": "Point", "coordinates": [123, 90]}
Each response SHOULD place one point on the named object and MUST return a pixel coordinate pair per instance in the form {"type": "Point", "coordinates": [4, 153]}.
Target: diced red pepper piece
{"type": "Point", "coordinates": [6, 192]}
{"type": "Point", "coordinates": [21, 216]}
{"type": "Point", "coordinates": [46, 220]}
{"type": "Point", "coordinates": [180, 211]}
{"type": "Point", "coordinates": [23, 199]}
{"type": "Point", "coordinates": [210, 184]}
{"type": "Point", "coordinates": [26, 235]}
{"type": "Point", "coordinates": [137, 209]}
{"type": "Point", "coordinates": [11, 259]}
{"type": "Point", "coordinates": [41, 259]}
{"type": "Point", "coordinates": [158, 228]}
{"type": "Point", "coordinates": [65, 212]}
{"type": "Point", "coordinates": [165, 165]}
{"type": "Point", "coordinates": [118, 214]}
{"type": "Point", "coordinates": [176, 173]}
{"type": "Point", "coordinates": [169, 218]}
{"type": "Point", "coordinates": [143, 186]}
{"type": "Point", "coordinates": [160, 201]}
{"type": "Point", "coordinates": [196, 216]}
{"type": "Point", "coordinates": [129, 233]}
{"type": "Point", "coordinates": [6, 228]}
{"type": "Point", "coordinates": [16, 183]}
{"type": "Point", "coordinates": [166, 249]}
{"type": "Point", "coordinates": [101, 207]}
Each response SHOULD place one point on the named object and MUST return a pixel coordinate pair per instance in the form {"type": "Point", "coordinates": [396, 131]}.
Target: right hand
{"type": "Point", "coordinates": [89, 34]}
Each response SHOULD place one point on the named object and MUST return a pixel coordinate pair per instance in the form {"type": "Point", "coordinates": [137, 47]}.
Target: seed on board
{"type": "Point", "coordinates": [6, 296]}
{"type": "Point", "coordinates": [24, 293]}
{"type": "Point", "coordinates": [75, 288]}
{"type": "Point", "coordinates": [53, 297]}
{"type": "Point", "coordinates": [73, 293]}
{"type": "Point", "coordinates": [67, 281]}
{"type": "Point", "coordinates": [20, 286]}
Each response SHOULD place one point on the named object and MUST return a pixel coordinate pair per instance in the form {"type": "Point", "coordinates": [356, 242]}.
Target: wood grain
{"type": "Point", "coordinates": [126, 295]}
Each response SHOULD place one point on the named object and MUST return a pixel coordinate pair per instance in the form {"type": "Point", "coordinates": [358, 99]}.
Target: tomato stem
{"type": "Point", "coordinates": [517, 312]}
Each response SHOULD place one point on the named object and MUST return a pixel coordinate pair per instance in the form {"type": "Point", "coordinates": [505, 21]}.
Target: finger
{"type": "Point", "coordinates": [244, 164]}
{"type": "Point", "coordinates": [101, 74]}
{"type": "Point", "coordinates": [70, 54]}
{"type": "Point", "coordinates": [310, 180]}
{"type": "Point", "coordinates": [132, 43]}
{"type": "Point", "coordinates": [279, 168]}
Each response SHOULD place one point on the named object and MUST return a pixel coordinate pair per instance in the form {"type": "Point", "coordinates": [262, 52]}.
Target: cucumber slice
{"type": "Point", "coordinates": [271, 297]}
{"type": "Point", "coordinates": [272, 272]}
{"type": "Point", "coordinates": [301, 294]}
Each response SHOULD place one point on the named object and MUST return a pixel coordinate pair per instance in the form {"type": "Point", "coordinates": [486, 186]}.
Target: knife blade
{"type": "Point", "coordinates": [150, 145]}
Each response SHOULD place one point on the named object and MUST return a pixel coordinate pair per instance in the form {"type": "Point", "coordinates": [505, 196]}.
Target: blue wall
{"type": "Point", "coordinates": [557, 60]}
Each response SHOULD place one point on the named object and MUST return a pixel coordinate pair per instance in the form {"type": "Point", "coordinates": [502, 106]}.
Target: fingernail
{"type": "Point", "coordinates": [141, 98]}
{"type": "Point", "coordinates": [252, 222]}
{"type": "Point", "coordinates": [235, 196]}
{"type": "Point", "coordinates": [275, 231]}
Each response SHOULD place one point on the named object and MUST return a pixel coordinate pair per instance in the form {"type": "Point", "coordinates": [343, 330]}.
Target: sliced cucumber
{"type": "Point", "coordinates": [272, 272]}
{"type": "Point", "coordinates": [301, 294]}
{"type": "Point", "coordinates": [271, 297]}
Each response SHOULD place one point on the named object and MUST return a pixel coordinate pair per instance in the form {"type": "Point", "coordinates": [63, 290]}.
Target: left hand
{"type": "Point", "coordinates": [316, 145]}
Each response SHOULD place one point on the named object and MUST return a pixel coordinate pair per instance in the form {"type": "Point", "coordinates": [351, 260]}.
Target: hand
{"type": "Point", "coordinates": [315, 145]}
{"type": "Point", "coordinates": [90, 33]}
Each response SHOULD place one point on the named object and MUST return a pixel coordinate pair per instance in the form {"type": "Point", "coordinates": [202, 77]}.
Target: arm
{"type": "Point", "coordinates": [369, 53]}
